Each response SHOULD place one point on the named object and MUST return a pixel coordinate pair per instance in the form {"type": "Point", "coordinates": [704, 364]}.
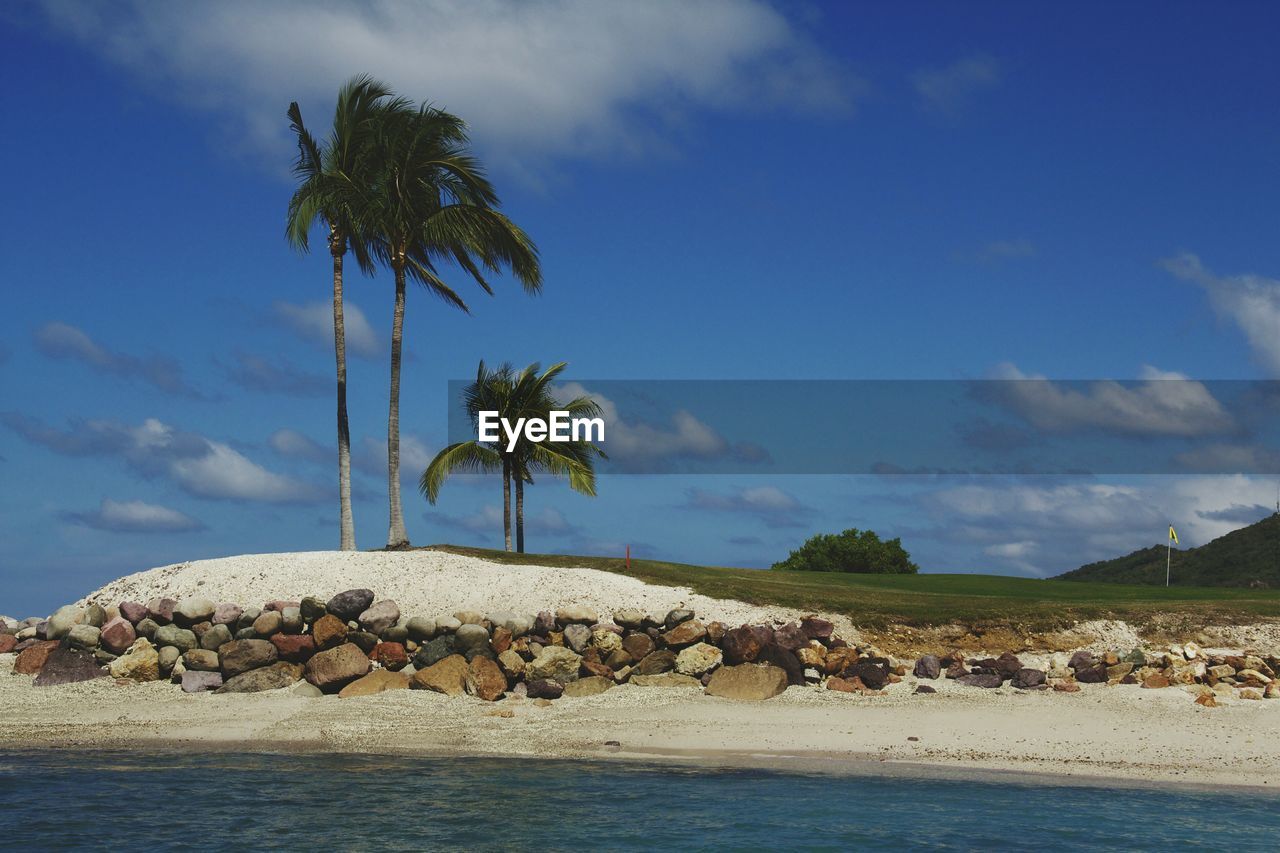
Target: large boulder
{"type": "Point", "coordinates": [544, 689]}
{"type": "Point", "coordinates": [311, 609]}
{"type": "Point", "coordinates": [421, 629]}
{"type": "Point", "coordinates": [743, 645]}
{"type": "Point", "coordinates": [512, 664]}
{"type": "Point", "coordinates": [685, 633]}
{"type": "Point", "coordinates": [160, 610]}
{"type": "Point", "coordinates": [555, 663]}
{"type": "Point", "coordinates": [31, 659]}
{"type": "Point", "coordinates": [471, 635]}
{"type": "Point", "coordinates": [62, 621]}
{"type": "Point", "coordinates": [433, 652]}
{"type": "Point", "coordinates": [273, 677]}
{"type": "Point", "coordinates": [816, 628]}
{"type": "Point", "coordinates": [638, 645]}
{"type": "Point", "coordinates": [665, 679]}
{"type": "Point", "coordinates": [576, 613]}
{"type": "Point", "coordinates": [333, 669]}
{"type": "Point", "coordinates": [448, 676]}
{"type": "Point", "coordinates": [350, 604]}
{"type": "Point", "coordinates": [654, 663]}
{"type": "Point", "coordinates": [297, 648]}
{"type": "Point", "coordinates": [215, 637]}
{"type": "Point", "coordinates": [117, 635]}
{"type": "Point", "coordinates": [133, 611]}
{"type": "Point", "coordinates": [1008, 665]}
{"type": "Point", "coordinates": [676, 616]}
{"type": "Point", "coordinates": [95, 615]}
{"type": "Point", "coordinates": [928, 667]}
{"type": "Point", "coordinates": [698, 659]}
{"type": "Point", "coordinates": [378, 681]}
{"type": "Point", "coordinates": [790, 636]}
{"type": "Point", "coordinates": [240, 656]}
{"type": "Point", "coordinates": [83, 637]}
{"type": "Point", "coordinates": [180, 638]}
{"type": "Point", "coordinates": [589, 686]}
{"type": "Point", "coordinates": [201, 660]}
{"type": "Point", "coordinates": [8, 642]}
{"type": "Point", "coordinates": [577, 637]}
{"type": "Point", "coordinates": [198, 682]}
{"type": "Point", "coordinates": [329, 631]}
{"type": "Point", "coordinates": [485, 680]}
{"type": "Point", "coordinates": [68, 666]}
{"type": "Point", "coordinates": [752, 682]}
{"type": "Point", "coordinates": [1028, 679]}
{"type": "Point", "coordinates": [227, 614]}
{"type": "Point", "coordinates": [390, 656]}
{"type": "Point", "coordinates": [981, 679]}
{"type": "Point", "coordinates": [379, 616]}
{"type": "Point", "coordinates": [267, 623]}
{"type": "Point", "coordinates": [190, 611]}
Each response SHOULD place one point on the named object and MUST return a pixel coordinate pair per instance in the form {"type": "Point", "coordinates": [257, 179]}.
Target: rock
{"type": "Point", "coordinates": [448, 676]}
{"type": "Point", "coordinates": [485, 680]}
{"type": "Point", "coordinates": [1271, 691]}
{"type": "Point", "coordinates": [311, 609]}
{"type": "Point", "coordinates": [307, 690]}
{"type": "Point", "coordinates": [350, 604]}
{"type": "Point", "coordinates": [329, 631]}
{"type": "Point", "coordinates": [742, 645]}
{"type": "Point", "coordinates": [1207, 700]}
{"type": "Point", "coordinates": [592, 666]}
{"type": "Point", "coordinates": [168, 657]}
{"type": "Point", "coordinates": [1095, 674]}
{"type": "Point", "coordinates": [180, 638]}
{"type": "Point", "coordinates": [577, 637]}
{"type": "Point", "coordinates": [333, 669]}
{"type": "Point", "coordinates": [751, 682]}
{"type": "Point", "coordinates": [291, 620]}
{"type": "Point", "coordinates": [267, 623]}
{"type": "Point", "coordinates": [133, 612]}
{"type": "Point", "coordinates": [790, 637]}
{"type": "Point", "coordinates": [606, 640]}
{"type": "Point", "coordinates": [240, 656]}
{"type": "Point", "coordinates": [555, 663]}
{"type": "Point", "coordinates": [434, 652]}
{"type": "Point", "coordinates": [629, 617]}
{"type": "Point", "coordinates": [227, 614]}
{"type": "Point", "coordinates": [1190, 650]}
{"type": "Point", "coordinates": [378, 681]}
{"type": "Point", "coordinates": [928, 667]}
{"type": "Point", "coordinates": [1116, 671]}
{"type": "Point", "coordinates": [247, 618]}
{"type": "Point", "coordinates": [816, 628]}
{"type": "Point", "coordinates": [665, 679]}
{"type": "Point", "coordinates": [544, 689]}
{"type": "Point", "coordinates": [7, 643]}
{"type": "Point", "coordinates": [654, 663]}
{"type": "Point", "coordinates": [201, 660]}
{"type": "Point", "coordinates": [147, 628]}
{"type": "Point", "coordinates": [421, 629]}
{"type": "Point", "coordinates": [469, 617]}
{"type": "Point", "coordinates": [576, 614]}
{"type": "Point", "coordinates": [31, 659]}
{"type": "Point", "coordinates": [83, 637]}
{"type": "Point", "coordinates": [924, 688]}
{"type": "Point", "coordinates": [471, 636]}
{"type": "Point", "coordinates": [544, 623]}
{"type": "Point", "coordinates": [68, 666]}
{"type": "Point", "coordinates": [638, 645]}
{"type": "Point", "coordinates": [1028, 679]}
{"type": "Point", "coordinates": [872, 672]}
{"type": "Point", "coordinates": [698, 659]}
{"type": "Point", "coordinates": [95, 615]}
{"type": "Point", "coordinates": [198, 682]}
{"type": "Point", "coordinates": [1066, 687]}
{"type": "Point", "coordinates": [590, 686]}
{"type": "Point", "coordinates": [216, 637]}
{"type": "Point", "coordinates": [379, 616]}
{"type": "Point", "coordinates": [1082, 660]}
{"type": "Point", "coordinates": [518, 625]}
{"type": "Point", "coordinates": [981, 679]}
{"type": "Point", "coordinates": [839, 659]}
{"type": "Point", "coordinates": [685, 633]}
{"type": "Point", "coordinates": [502, 640]}
{"type": "Point", "coordinates": [274, 677]}
{"type": "Point", "coordinates": [390, 656]}
{"type": "Point", "coordinates": [160, 610]}
{"type": "Point", "coordinates": [1250, 693]}
{"type": "Point", "coordinates": [845, 685]}
{"type": "Point", "coordinates": [62, 621]}
{"type": "Point", "coordinates": [140, 663]}
{"type": "Point", "coordinates": [1008, 665]}
{"type": "Point", "coordinates": [117, 635]}
{"type": "Point", "coordinates": [512, 664]}
{"type": "Point", "coordinates": [189, 611]}
{"type": "Point", "coordinates": [676, 617]}
{"type": "Point", "coordinates": [1155, 681]}
{"type": "Point", "coordinates": [447, 624]}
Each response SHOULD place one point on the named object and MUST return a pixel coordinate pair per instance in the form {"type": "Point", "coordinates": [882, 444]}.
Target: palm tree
{"type": "Point", "coordinates": [512, 396]}
{"type": "Point", "coordinates": [334, 185]}
{"type": "Point", "coordinates": [434, 206]}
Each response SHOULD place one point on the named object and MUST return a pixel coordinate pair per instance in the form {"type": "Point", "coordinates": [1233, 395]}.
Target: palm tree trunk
{"type": "Point", "coordinates": [506, 502]}
{"type": "Point", "coordinates": [519, 514]}
{"type": "Point", "coordinates": [346, 522]}
{"type": "Point", "coordinates": [396, 535]}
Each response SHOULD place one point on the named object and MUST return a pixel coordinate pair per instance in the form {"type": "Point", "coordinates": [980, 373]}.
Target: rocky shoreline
{"type": "Point", "coordinates": [356, 645]}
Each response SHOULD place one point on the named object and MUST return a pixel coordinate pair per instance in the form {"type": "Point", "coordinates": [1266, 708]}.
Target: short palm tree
{"type": "Point", "coordinates": [335, 183]}
{"type": "Point", "coordinates": [516, 395]}
{"type": "Point", "coordinates": [434, 206]}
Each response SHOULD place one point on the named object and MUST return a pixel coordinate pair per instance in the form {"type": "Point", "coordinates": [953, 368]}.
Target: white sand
{"type": "Point", "coordinates": [427, 583]}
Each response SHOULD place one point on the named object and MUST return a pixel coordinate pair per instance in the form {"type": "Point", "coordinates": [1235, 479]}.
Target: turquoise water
{"type": "Point", "coordinates": [227, 801]}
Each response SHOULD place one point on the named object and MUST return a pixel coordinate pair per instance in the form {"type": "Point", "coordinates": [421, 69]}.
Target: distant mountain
{"type": "Point", "coordinates": [1248, 557]}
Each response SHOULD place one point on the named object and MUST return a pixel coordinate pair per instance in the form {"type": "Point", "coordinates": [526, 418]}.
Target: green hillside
{"type": "Point", "coordinates": [1248, 557]}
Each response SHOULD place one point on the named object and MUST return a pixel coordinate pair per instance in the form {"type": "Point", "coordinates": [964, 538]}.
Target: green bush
{"type": "Point", "coordinates": [853, 550]}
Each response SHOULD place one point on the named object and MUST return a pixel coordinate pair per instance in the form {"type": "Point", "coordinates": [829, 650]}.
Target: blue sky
{"type": "Point", "coordinates": [720, 191]}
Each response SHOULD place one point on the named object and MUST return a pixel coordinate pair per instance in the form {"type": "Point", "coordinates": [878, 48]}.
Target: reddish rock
{"type": "Point", "coordinates": [378, 681]}
{"type": "Point", "coordinates": [638, 646]}
{"type": "Point", "coordinates": [329, 631]}
{"type": "Point", "coordinates": [391, 656]}
{"type": "Point", "coordinates": [333, 669]}
{"type": "Point", "coordinates": [592, 667]}
{"type": "Point", "coordinates": [716, 632]}
{"type": "Point", "coordinates": [68, 666]}
{"type": "Point", "coordinates": [1207, 700]}
{"type": "Point", "coordinates": [544, 688]}
{"type": "Point", "coordinates": [742, 645]}
{"type": "Point", "coordinates": [448, 676]}
{"type": "Point", "coordinates": [844, 685]}
{"type": "Point", "coordinates": [839, 659]}
{"type": "Point", "coordinates": [279, 606]}
{"type": "Point", "coordinates": [790, 637]}
{"type": "Point", "coordinates": [133, 611]}
{"type": "Point", "coordinates": [501, 640]}
{"type": "Point", "coordinates": [655, 663]}
{"type": "Point", "coordinates": [295, 648]}
{"type": "Point", "coordinates": [240, 656]}
{"type": "Point", "coordinates": [485, 680]}
{"type": "Point", "coordinates": [117, 635]}
{"type": "Point", "coordinates": [227, 614]}
{"type": "Point", "coordinates": [816, 629]}
{"type": "Point", "coordinates": [686, 633]}
{"type": "Point", "coordinates": [31, 659]}
{"type": "Point", "coordinates": [160, 610]}
{"type": "Point", "coordinates": [1066, 687]}
{"type": "Point", "coordinates": [7, 642]}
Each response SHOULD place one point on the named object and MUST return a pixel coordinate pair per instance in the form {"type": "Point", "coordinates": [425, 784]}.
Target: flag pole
{"type": "Point", "coordinates": [1168, 560]}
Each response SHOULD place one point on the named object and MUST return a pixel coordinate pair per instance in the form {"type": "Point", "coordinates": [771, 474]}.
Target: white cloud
{"type": "Point", "coordinates": [1162, 403]}
{"type": "Point", "coordinates": [290, 442]}
{"type": "Point", "coordinates": [769, 504]}
{"type": "Point", "coordinates": [313, 322]}
{"type": "Point", "coordinates": [949, 89]}
{"type": "Point", "coordinates": [370, 456]}
{"type": "Point", "coordinates": [63, 341]}
{"type": "Point", "coordinates": [554, 77]}
{"type": "Point", "coordinates": [1250, 301]}
{"type": "Point", "coordinates": [135, 517]}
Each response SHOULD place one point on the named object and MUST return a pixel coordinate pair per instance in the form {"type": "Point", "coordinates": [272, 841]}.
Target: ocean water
{"type": "Point", "coordinates": [64, 800]}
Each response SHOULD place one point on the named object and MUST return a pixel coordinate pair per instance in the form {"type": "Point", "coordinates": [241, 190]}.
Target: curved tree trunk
{"type": "Point", "coordinates": [347, 527]}
{"type": "Point", "coordinates": [519, 514]}
{"type": "Point", "coordinates": [396, 535]}
{"type": "Point", "coordinates": [506, 502]}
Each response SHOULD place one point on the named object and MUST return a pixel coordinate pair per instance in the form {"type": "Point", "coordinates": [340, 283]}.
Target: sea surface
{"type": "Point", "coordinates": [143, 800]}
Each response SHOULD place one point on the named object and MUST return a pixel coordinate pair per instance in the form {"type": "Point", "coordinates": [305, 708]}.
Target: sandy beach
{"type": "Point", "coordinates": [1116, 732]}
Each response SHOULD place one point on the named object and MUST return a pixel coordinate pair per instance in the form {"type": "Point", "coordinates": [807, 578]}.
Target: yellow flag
{"type": "Point", "coordinates": [1173, 534]}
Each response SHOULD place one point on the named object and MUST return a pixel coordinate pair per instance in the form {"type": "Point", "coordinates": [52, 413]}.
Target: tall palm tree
{"type": "Point", "coordinates": [435, 206]}
{"type": "Point", "coordinates": [334, 186]}
{"type": "Point", "coordinates": [512, 396]}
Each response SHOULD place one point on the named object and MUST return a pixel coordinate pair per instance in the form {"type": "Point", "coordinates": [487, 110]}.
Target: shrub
{"type": "Point", "coordinates": [854, 550]}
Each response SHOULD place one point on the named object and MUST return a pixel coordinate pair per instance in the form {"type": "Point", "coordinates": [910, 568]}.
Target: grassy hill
{"type": "Point", "coordinates": [933, 600]}
{"type": "Point", "coordinates": [1246, 557]}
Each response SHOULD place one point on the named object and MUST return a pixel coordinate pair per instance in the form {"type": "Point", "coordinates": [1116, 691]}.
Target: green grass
{"type": "Point", "coordinates": [931, 600]}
